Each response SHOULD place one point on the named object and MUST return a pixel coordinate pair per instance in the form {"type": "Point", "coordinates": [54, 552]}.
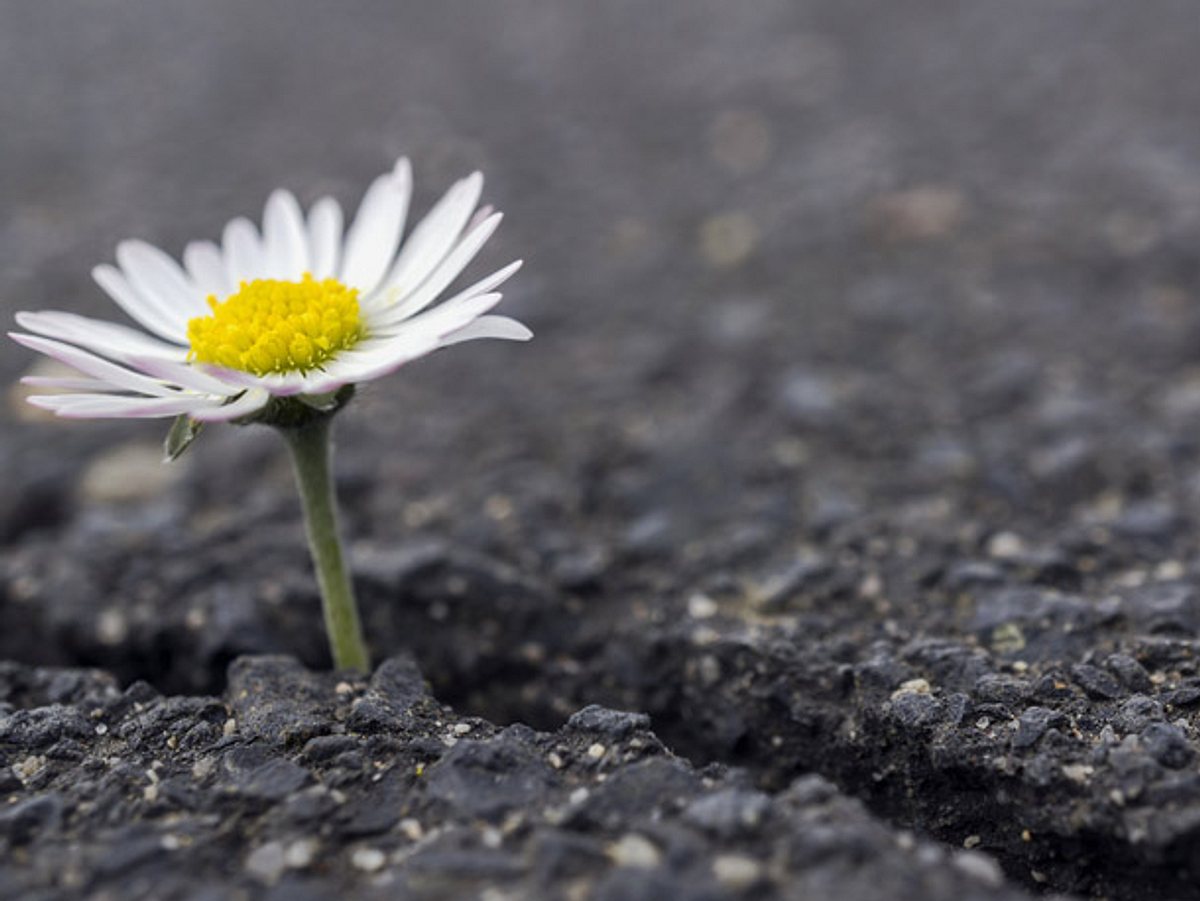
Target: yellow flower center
{"type": "Point", "coordinates": [269, 325]}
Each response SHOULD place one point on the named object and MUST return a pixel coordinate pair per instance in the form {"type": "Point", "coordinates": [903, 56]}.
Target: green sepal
{"type": "Point", "coordinates": [299, 410]}
{"type": "Point", "coordinates": [324, 403]}
{"type": "Point", "coordinates": [183, 432]}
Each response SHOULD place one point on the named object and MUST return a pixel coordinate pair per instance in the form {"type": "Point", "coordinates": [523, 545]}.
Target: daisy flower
{"type": "Point", "coordinates": [277, 326]}
{"type": "Point", "coordinates": [298, 308]}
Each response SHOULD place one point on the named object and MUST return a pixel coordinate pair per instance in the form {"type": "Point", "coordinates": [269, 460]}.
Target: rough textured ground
{"type": "Point", "coordinates": [297, 786]}
{"type": "Point", "coordinates": [857, 449]}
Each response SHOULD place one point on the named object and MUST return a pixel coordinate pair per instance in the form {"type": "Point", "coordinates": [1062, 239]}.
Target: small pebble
{"type": "Point", "coordinates": [412, 829]}
{"type": "Point", "coordinates": [1078, 772]}
{"type": "Point", "coordinates": [633, 850]}
{"type": "Point", "coordinates": [737, 872]}
{"type": "Point", "coordinates": [1005, 546]}
{"type": "Point", "coordinates": [369, 860]}
{"type": "Point", "coordinates": [266, 863]}
{"type": "Point", "coordinates": [913, 686]}
{"type": "Point", "coordinates": [701, 606]}
{"type": "Point", "coordinates": [980, 867]}
{"type": "Point", "coordinates": [300, 853]}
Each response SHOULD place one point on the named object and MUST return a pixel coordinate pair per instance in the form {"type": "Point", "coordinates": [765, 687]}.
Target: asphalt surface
{"type": "Point", "coordinates": [857, 444]}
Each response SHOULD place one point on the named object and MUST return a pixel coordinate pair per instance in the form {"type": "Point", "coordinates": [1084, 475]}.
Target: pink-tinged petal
{"type": "Point", "coordinates": [251, 401]}
{"type": "Point", "coordinates": [186, 375]}
{"type": "Point", "coordinates": [108, 339]}
{"type": "Point", "coordinates": [67, 384]}
{"type": "Point", "coordinates": [106, 406]}
{"type": "Point", "coordinates": [90, 364]}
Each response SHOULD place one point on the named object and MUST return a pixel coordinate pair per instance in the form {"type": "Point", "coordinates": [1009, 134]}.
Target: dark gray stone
{"type": "Point", "coordinates": [22, 821]}
{"type": "Point", "coordinates": [489, 778]}
{"type": "Point", "coordinates": [276, 699]}
{"type": "Point", "coordinates": [605, 723]}
{"type": "Point", "coordinates": [1166, 744]}
{"type": "Point", "coordinates": [1096, 682]}
{"type": "Point", "coordinates": [729, 813]}
{"type": "Point", "coordinates": [1032, 725]}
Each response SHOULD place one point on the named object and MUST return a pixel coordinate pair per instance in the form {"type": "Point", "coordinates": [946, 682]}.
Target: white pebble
{"type": "Point", "coordinates": [1005, 546]}
{"type": "Point", "coordinates": [979, 866]}
{"type": "Point", "coordinates": [737, 872]}
{"type": "Point", "coordinates": [266, 863]}
{"type": "Point", "coordinates": [412, 829]}
{"type": "Point", "coordinates": [300, 853]}
{"type": "Point", "coordinates": [369, 860]}
{"type": "Point", "coordinates": [701, 606]}
{"type": "Point", "coordinates": [633, 850]}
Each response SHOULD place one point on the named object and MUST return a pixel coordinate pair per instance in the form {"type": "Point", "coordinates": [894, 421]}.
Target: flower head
{"type": "Point", "coordinates": [297, 308]}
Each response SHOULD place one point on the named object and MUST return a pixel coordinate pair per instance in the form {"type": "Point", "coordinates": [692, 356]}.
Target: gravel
{"type": "Point", "coordinates": [835, 537]}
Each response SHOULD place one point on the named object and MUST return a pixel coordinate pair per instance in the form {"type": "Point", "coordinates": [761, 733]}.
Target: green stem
{"type": "Point", "coordinates": [311, 458]}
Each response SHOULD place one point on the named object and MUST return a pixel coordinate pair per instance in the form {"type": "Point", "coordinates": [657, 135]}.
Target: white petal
{"type": "Point", "coordinates": [324, 237]}
{"type": "Point", "coordinates": [89, 364]}
{"type": "Point", "coordinates": [429, 328]}
{"type": "Point", "coordinates": [186, 375]}
{"type": "Point", "coordinates": [393, 315]}
{"type": "Point", "coordinates": [146, 310]}
{"type": "Point", "coordinates": [117, 342]}
{"type": "Point", "coordinates": [450, 316]}
{"type": "Point", "coordinates": [353, 368]}
{"type": "Point", "coordinates": [278, 384]}
{"type": "Point", "coordinates": [448, 269]}
{"type": "Point", "coordinates": [254, 399]}
{"type": "Point", "coordinates": [206, 266]}
{"type": "Point", "coordinates": [372, 240]}
{"type": "Point", "coordinates": [243, 251]}
{"type": "Point", "coordinates": [106, 406]}
{"type": "Point", "coordinates": [66, 384]}
{"type": "Point", "coordinates": [284, 241]}
{"type": "Point", "coordinates": [501, 327]}
{"type": "Point", "coordinates": [434, 235]}
{"type": "Point", "coordinates": [480, 214]}
{"type": "Point", "coordinates": [154, 274]}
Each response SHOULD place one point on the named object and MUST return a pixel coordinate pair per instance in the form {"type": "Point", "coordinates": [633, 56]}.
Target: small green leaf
{"type": "Point", "coordinates": [183, 432]}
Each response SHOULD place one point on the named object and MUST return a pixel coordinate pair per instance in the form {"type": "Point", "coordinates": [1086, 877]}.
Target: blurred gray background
{"type": "Point", "coordinates": [761, 238]}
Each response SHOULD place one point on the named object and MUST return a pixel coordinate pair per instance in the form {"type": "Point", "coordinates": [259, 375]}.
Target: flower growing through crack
{"type": "Point", "coordinates": [278, 327]}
